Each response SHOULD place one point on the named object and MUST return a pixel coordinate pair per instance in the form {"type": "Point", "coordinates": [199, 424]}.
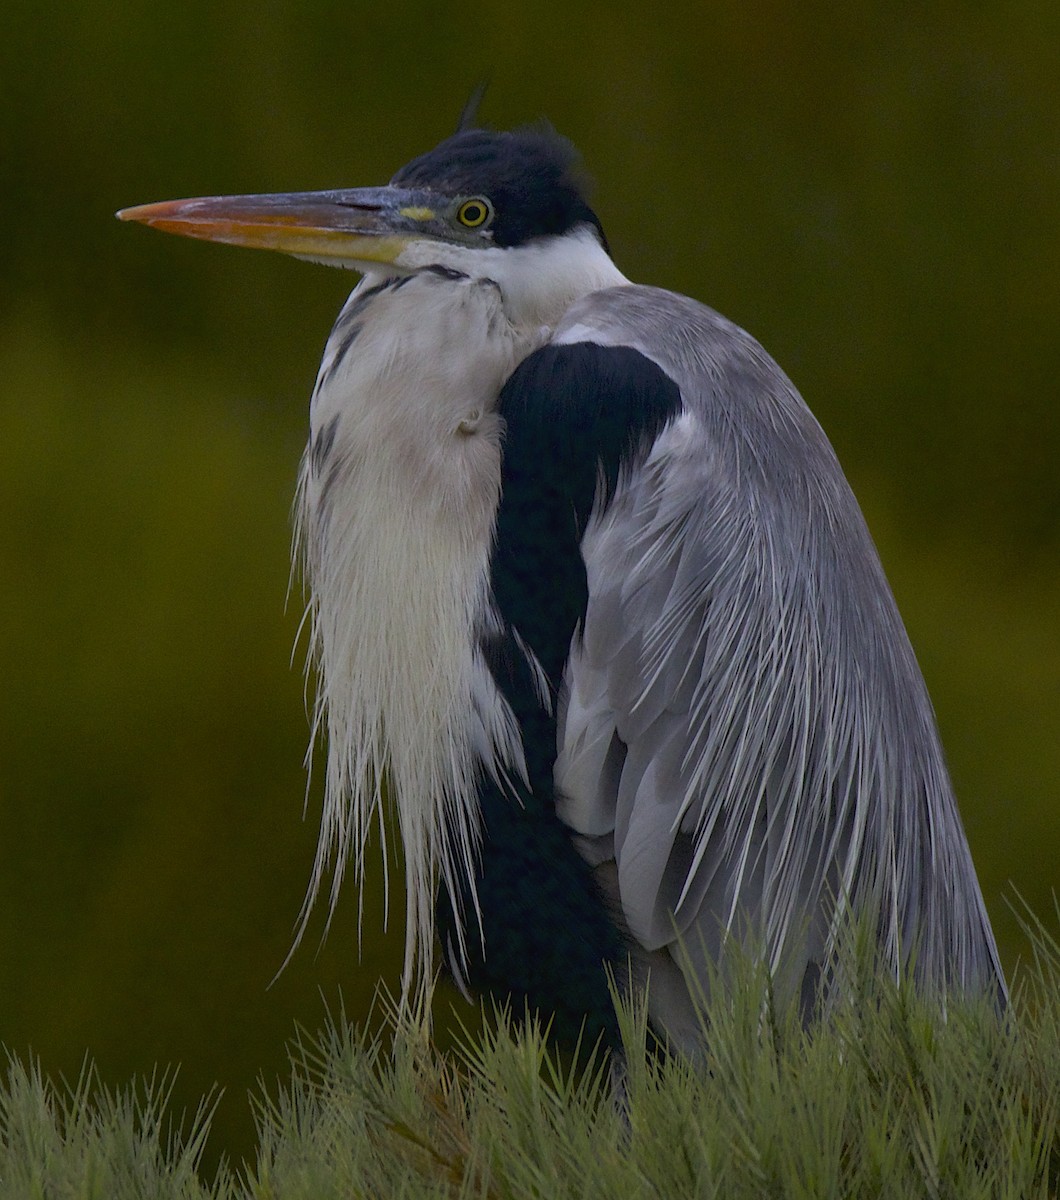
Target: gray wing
{"type": "Point", "coordinates": [744, 733]}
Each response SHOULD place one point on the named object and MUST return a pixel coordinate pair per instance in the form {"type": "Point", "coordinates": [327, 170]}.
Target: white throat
{"type": "Point", "coordinates": [396, 502]}
{"type": "Point", "coordinates": [539, 281]}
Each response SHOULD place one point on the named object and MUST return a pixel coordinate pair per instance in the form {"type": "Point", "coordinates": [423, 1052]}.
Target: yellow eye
{"type": "Point", "coordinates": [475, 212]}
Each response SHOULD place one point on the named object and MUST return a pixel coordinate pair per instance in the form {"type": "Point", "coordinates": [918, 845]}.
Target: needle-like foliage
{"type": "Point", "coordinates": [887, 1097]}
{"type": "Point", "coordinates": [87, 1141]}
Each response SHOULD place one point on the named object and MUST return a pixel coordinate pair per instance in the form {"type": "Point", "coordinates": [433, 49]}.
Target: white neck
{"type": "Point", "coordinates": [539, 281]}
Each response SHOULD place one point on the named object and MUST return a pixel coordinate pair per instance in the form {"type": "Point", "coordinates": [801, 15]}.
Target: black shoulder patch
{"type": "Point", "coordinates": [578, 414]}
{"type": "Point", "coordinates": [575, 417]}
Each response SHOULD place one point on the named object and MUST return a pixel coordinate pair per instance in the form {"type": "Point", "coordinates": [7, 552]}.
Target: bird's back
{"type": "Point", "coordinates": [745, 736]}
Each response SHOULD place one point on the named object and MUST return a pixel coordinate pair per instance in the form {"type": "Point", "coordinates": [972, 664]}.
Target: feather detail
{"type": "Point", "coordinates": [396, 502]}
{"type": "Point", "coordinates": [744, 727]}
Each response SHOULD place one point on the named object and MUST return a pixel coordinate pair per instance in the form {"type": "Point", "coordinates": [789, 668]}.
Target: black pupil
{"type": "Point", "coordinates": [474, 213]}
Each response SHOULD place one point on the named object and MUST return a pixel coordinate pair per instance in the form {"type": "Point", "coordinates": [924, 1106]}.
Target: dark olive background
{"type": "Point", "coordinates": [873, 190]}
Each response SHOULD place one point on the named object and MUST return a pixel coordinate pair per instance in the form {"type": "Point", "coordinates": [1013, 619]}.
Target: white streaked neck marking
{"type": "Point", "coordinates": [539, 280]}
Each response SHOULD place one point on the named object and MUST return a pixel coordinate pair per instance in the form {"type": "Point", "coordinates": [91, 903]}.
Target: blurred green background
{"type": "Point", "coordinates": [873, 190]}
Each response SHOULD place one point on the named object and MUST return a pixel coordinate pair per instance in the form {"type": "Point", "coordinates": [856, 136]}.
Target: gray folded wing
{"type": "Point", "coordinates": [745, 738]}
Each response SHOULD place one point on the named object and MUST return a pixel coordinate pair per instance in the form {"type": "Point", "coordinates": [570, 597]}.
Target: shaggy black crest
{"type": "Point", "coordinates": [531, 176]}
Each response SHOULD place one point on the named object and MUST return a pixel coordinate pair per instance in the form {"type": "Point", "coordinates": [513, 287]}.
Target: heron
{"type": "Point", "coordinates": [594, 610]}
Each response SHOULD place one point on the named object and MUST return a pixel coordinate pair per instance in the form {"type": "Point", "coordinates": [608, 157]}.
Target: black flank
{"type": "Point", "coordinates": [575, 418]}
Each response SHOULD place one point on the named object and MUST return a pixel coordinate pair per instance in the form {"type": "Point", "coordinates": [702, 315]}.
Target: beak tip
{"type": "Point", "coordinates": [138, 212]}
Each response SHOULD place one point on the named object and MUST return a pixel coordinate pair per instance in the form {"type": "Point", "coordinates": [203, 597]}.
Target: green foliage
{"type": "Point", "coordinates": [889, 1097]}
{"type": "Point", "coordinates": [89, 1142]}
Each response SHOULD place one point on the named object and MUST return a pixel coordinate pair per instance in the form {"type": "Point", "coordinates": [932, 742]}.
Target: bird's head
{"type": "Point", "coordinates": [509, 206]}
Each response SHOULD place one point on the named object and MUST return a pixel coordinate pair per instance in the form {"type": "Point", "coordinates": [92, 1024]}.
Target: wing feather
{"type": "Point", "coordinates": [743, 724]}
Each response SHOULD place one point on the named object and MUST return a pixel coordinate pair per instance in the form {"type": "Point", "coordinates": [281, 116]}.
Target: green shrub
{"type": "Point", "coordinates": [889, 1097]}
